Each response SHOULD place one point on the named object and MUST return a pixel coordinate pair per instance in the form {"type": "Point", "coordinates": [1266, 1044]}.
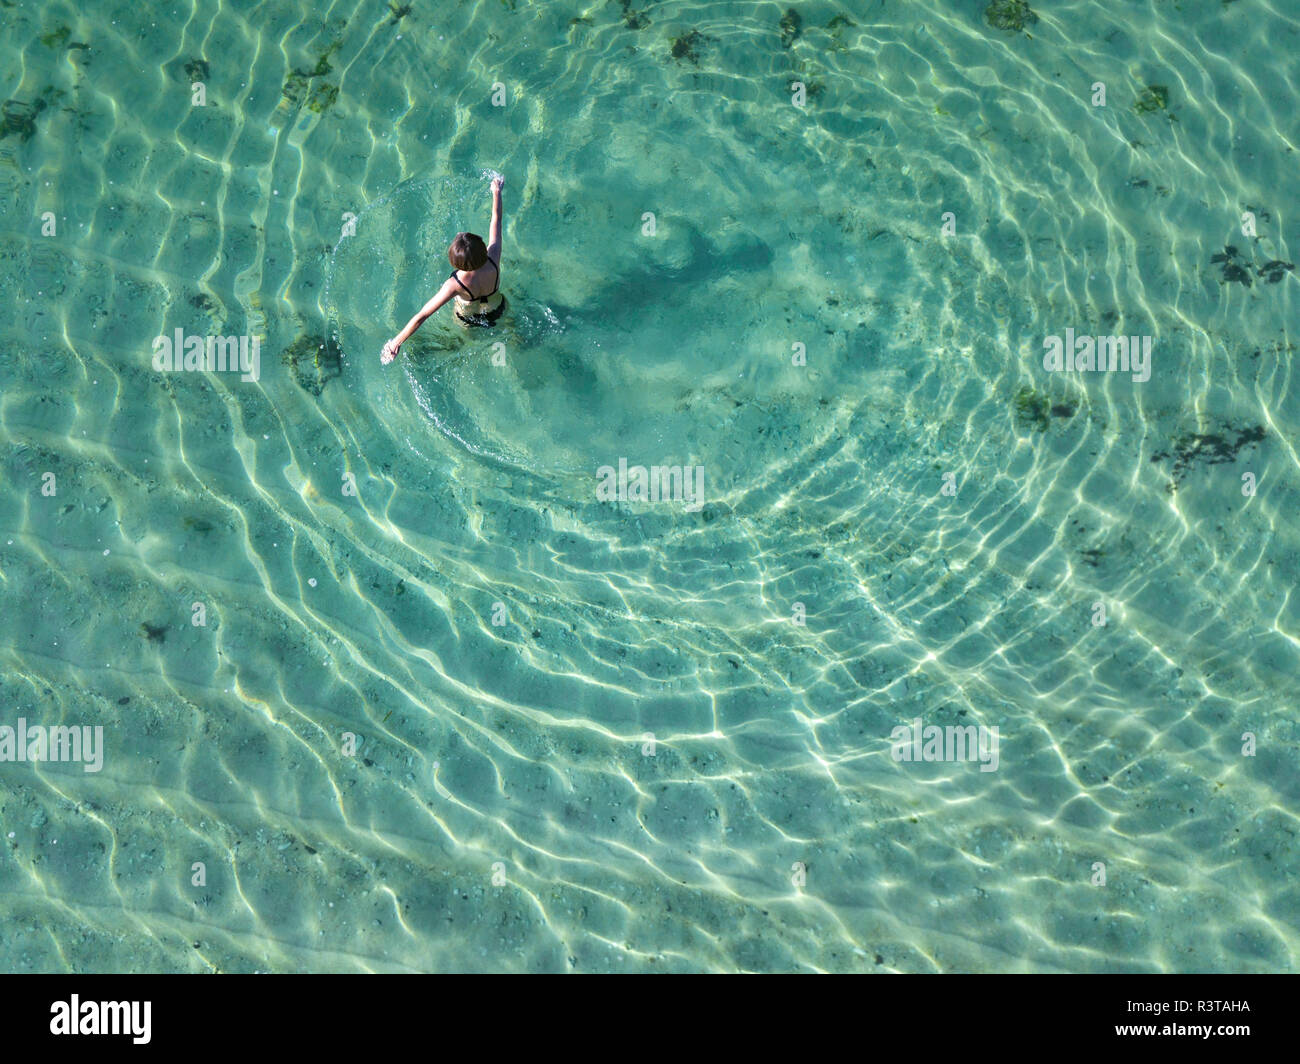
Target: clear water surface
{"type": "Point", "coordinates": [836, 305]}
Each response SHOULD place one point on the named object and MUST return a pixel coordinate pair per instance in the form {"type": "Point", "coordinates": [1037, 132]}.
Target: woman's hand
{"type": "Point", "coordinates": [391, 350]}
{"type": "Point", "coordinates": [497, 182]}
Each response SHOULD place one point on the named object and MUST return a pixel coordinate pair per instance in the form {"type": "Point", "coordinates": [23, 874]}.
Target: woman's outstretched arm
{"type": "Point", "coordinates": [494, 234]}
{"type": "Point", "coordinates": [394, 345]}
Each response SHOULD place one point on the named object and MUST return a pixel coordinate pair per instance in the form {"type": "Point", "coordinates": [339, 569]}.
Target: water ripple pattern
{"type": "Point", "coordinates": [385, 684]}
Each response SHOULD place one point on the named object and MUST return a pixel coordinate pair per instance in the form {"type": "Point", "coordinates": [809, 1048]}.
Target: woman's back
{"type": "Point", "coordinates": [478, 284]}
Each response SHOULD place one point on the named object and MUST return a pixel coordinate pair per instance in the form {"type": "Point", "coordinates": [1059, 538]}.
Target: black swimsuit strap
{"type": "Point", "coordinates": [472, 297]}
{"type": "Point", "coordinates": [462, 284]}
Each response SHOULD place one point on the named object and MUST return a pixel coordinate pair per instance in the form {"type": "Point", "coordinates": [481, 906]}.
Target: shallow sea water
{"type": "Point", "coordinates": [593, 735]}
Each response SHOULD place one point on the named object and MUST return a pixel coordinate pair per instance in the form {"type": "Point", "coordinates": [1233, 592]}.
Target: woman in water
{"type": "Point", "coordinates": [478, 301]}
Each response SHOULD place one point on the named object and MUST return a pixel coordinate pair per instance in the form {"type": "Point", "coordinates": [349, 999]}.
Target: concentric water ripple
{"type": "Point", "coordinates": [446, 709]}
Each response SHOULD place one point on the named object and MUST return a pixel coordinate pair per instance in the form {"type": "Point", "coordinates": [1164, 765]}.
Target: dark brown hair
{"type": "Point", "coordinates": [467, 251]}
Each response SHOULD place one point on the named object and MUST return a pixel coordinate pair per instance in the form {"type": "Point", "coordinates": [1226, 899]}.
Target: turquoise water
{"type": "Point", "coordinates": [377, 665]}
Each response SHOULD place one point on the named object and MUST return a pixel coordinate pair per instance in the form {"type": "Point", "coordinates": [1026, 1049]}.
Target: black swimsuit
{"type": "Point", "coordinates": [487, 317]}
